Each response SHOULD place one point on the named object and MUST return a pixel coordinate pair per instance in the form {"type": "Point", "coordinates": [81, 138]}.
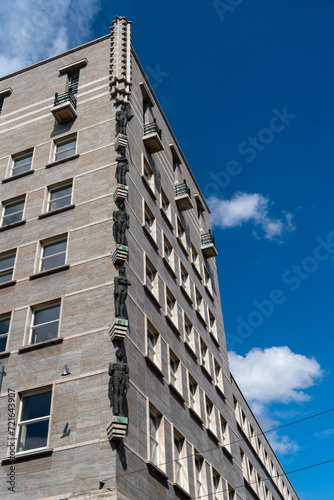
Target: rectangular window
{"type": "Point", "coordinates": [151, 278]}
{"type": "Point", "coordinates": [155, 421]}
{"type": "Point", "coordinates": [33, 424]}
{"type": "Point", "coordinates": [12, 212]}
{"type": "Point", "coordinates": [7, 263]}
{"type": "Point", "coordinates": [165, 205]}
{"type": "Point", "coordinates": [45, 324]}
{"type": "Point", "coordinates": [153, 348]}
{"type": "Point", "coordinates": [22, 163]}
{"type": "Point", "coordinates": [148, 175]}
{"type": "Point", "coordinates": [53, 254]}
{"type": "Point", "coordinates": [4, 328]}
{"type": "Point", "coordinates": [200, 304]}
{"type": "Point", "coordinates": [180, 463]}
{"type": "Point", "coordinates": [219, 376]}
{"type": "Point", "coordinates": [195, 260]}
{"type": "Point", "coordinates": [181, 234]}
{"type": "Point", "coordinates": [171, 308]}
{"type": "Point", "coordinates": [175, 372]}
{"type": "Point", "coordinates": [194, 403]}
{"type": "Point", "coordinates": [210, 417]}
{"type": "Point", "coordinates": [198, 477]}
{"type": "Point", "coordinates": [65, 148]}
{"type": "Point", "coordinates": [59, 197]}
{"type": "Point", "coordinates": [231, 493]}
{"type": "Point", "coordinates": [73, 82]}
{"type": "Point", "coordinates": [169, 253]}
{"type": "Point", "coordinates": [185, 280]}
{"type": "Point", "coordinates": [204, 356]}
{"type": "Point", "coordinates": [217, 486]}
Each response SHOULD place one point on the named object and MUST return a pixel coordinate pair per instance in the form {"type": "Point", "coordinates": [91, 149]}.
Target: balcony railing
{"type": "Point", "coordinates": [207, 238]}
{"type": "Point", "coordinates": [65, 97]}
{"type": "Point", "coordinates": [181, 189]}
{"type": "Point", "coordinates": [151, 128]}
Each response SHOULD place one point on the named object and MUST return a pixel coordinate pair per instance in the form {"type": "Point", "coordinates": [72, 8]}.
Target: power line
{"type": "Point", "coordinates": [227, 444]}
{"type": "Point", "coordinates": [267, 478]}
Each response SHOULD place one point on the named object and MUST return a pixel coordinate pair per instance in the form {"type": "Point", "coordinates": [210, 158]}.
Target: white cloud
{"type": "Point", "coordinates": [252, 208]}
{"type": "Point", "coordinates": [35, 30]}
{"type": "Point", "coordinates": [324, 434]}
{"type": "Point", "coordinates": [274, 375]}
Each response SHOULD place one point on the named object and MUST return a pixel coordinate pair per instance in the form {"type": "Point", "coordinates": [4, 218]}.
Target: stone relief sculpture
{"type": "Point", "coordinates": [122, 168]}
{"type": "Point", "coordinates": [123, 116]}
{"type": "Point", "coordinates": [122, 223]}
{"type": "Point", "coordinates": [119, 372]}
{"type": "Point", "coordinates": [121, 284]}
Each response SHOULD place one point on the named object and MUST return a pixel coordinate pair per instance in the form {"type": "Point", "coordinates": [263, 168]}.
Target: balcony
{"type": "Point", "coordinates": [64, 107]}
{"type": "Point", "coordinates": [183, 196]}
{"type": "Point", "coordinates": [208, 245]}
{"type": "Point", "coordinates": [152, 137]}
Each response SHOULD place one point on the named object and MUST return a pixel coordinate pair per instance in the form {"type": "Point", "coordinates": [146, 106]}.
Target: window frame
{"type": "Point", "coordinates": [33, 326]}
{"type": "Point", "coordinates": [7, 204]}
{"type": "Point", "coordinates": [5, 334]}
{"type": "Point", "coordinates": [49, 243]}
{"type": "Point", "coordinates": [43, 418]}
{"type": "Point", "coordinates": [3, 257]}
{"type": "Point", "coordinates": [61, 142]}
{"type": "Point", "coordinates": [19, 157]}
{"type": "Point", "coordinates": [58, 187]}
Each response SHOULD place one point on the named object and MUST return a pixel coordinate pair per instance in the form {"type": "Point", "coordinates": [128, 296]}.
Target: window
{"type": "Point", "coordinates": [204, 356]}
{"type": "Point", "coordinates": [181, 234]}
{"type": "Point", "coordinates": [7, 263]}
{"type": "Point", "coordinates": [200, 304]}
{"type": "Point", "coordinates": [225, 438]}
{"type": "Point", "coordinates": [22, 163]}
{"type": "Point", "coordinates": [217, 486]}
{"type": "Point", "coordinates": [179, 462]}
{"type": "Point", "coordinates": [207, 281]}
{"type": "Point", "coordinates": [148, 174]}
{"type": "Point", "coordinates": [65, 148]}
{"type": "Point", "coordinates": [189, 332]}
{"type": "Point", "coordinates": [73, 82]}
{"type": "Point", "coordinates": [33, 424]}
{"type": "Point", "coordinates": [165, 205]}
{"type": "Point", "coordinates": [194, 402]}
{"type": "Point", "coordinates": [156, 437]}
{"type": "Point", "coordinates": [195, 260]}
{"type": "Point", "coordinates": [175, 372]}
{"type": "Point", "coordinates": [151, 278]}
{"type": "Point", "coordinates": [153, 349]}
{"type": "Point", "coordinates": [149, 222]}
{"type": "Point", "coordinates": [231, 493]}
{"type": "Point", "coordinates": [12, 212]}
{"type": "Point", "coordinates": [198, 477]}
{"type": "Point", "coordinates": [59, 197]}
{"type": "Point", "coordinates": [4, 328]}
{"type": "Point", "coordinates": [171, 308]}
{"type": "Point", "coordinates": [219, 376]}
{"type": "Point", "coordinates": [45, 323]}
{"type": "Point", "coordinates": [213, 325]}
{"type": "Point", "coordinates": [168, 253]}
{"type": "Point", "coordinates": [243, 464]}
{"type": "Point", "coordinates": [53, 254]}
{"type": "Point", "coordinates": [185, 280]}
{"type": "Point", "coordinates": [210, 416]}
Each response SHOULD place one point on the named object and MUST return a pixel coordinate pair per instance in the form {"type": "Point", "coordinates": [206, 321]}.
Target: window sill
{"type": "Point", "coordinates": [57, 211]}
{"type": "Point", "coordinates": [150, 237]}
{"type": "Point", "coordinates": [176, 392]}
{"type": "Point", "coordinates": [197, 270]}
{"type": "Point", "coordinates": [209, 292]}
{"type": "Point", "coordinates": [149, 188]}
{"type": "Point", "coordinates": [183, 492]}
{"type": "Point", "coordinates": [7, 284]}
{"type": "Point", "coordinates": [173, 326]}
{"type": "Point", "coordinates": [63, 160]}
{"type": "Point", "coordinates": [221, 393]}
{"type": "Point", "coordinates": [4, 354]}
{"type": "Point", "coordinates": [153, 365]}
{"type": "Point", "coordinates": [182, 245]}
{"type": "Point", "coordinates": [191, 350]}
{"type": "Point", "coordinates": [28, 455]}
{"type": "Point", "coordinates": [214, 338]}
{"type": "Point", "coordinates": [199, 315]}
{"type": "Point", "coordinates": [49, 271]}
{"type": "Point", "coordinates": [156, 469]}
{"type": "Point", "coordinates": [17, 176]}
{"type": "Point", "coordinates": [206, 372]}
{"type": "Point", "coordinates": [227, 453]}
{"type": "Point", "coordinates": [195, 415]}
{"type": "Point", "coordinates": [40, 345]}
{"type": "Point", "coordinates": [169, 267]}
{"type": "Point", "coordinates": [167, 219]}
{"type": "Point", "coordinates": [14, 224]}
{"type": "Point", "coordinates": [152, 296]}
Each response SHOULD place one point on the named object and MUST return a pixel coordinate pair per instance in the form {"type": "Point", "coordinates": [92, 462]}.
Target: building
{"type": "Point", "coordinates": [72, 152]}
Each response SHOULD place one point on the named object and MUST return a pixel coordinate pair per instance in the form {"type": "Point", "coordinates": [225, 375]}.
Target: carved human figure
{"type": "Point", "coordinates": [123, 116]}
{"type": "Point", "coordinates": [121, 284]}
{"type": "Point", "coordinates": [122, 223]}
{"type": "Point", "coordinates": [119, 372]}
{"type": "Point", "coordinates": [122, 168]}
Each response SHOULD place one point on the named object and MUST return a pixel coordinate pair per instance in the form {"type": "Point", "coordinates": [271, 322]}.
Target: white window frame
{"type": "Point", "coordinates": [153, 344]}
{"type": "Point", "coordinates": [151, 278]}
{"type": "Point", "coordinates": [8, 204]}
{"type": "Point", "coordinates": [49, 243]}
{"type": "Point", "coordinates": [34, 327]}
{"type": "Point", "coordinates": [7, 271]}
{"type": "Point", "coordinates": [21, 422]}
{"type": "Point", "coordinates": [5, 334]}
{"type": "Point", "coordinates": [56, 188]}
{"type": "Point", "coordinates": [22, 156]}
{"type": "Point", "coordinates": [61, 142]}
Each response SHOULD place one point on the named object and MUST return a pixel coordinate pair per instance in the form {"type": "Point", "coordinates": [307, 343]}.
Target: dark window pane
{"type": "Point", "coordinates": [49, 314]}
{"type": "Point", "coordinates": [10, 208]}
{"type": "Point", "coordinates": [3, 343]}
{"type": "Point", "coordinates": [52, 262]}
{"type": "Point", "coordinates": [63, 191]}
{"type": "Point", "coordinates": [10, 219]}
{"type": "Point", "coordinates": [22, 164]}
{"type": "Point", "coordinates": [33, 435]}
{"type": "Point", "coordinates": [6, 276]}
{"type": "Point", "coordinates": [44, 332]}
{"type": "Point", "coordinates": [56, 247]}
{"type": "Point", "coordinates": [36, 406]}
{"type": "Point", "coordinates": [4, 325]}
{"type": "Point", "coordinates": [54, 204]}
{"type": "Point", "coordinates": [7, 262]}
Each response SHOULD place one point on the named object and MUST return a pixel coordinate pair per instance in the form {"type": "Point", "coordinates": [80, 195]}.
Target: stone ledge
{"type": "Point", "coordinates": [5, 354]}
{"type": "Point", "coordinates": [181, 490]}
{"type": "Point", "coordinates": [57, 211]}
{"type": "Point", "coordinates": [7, 284]}
{"type": "Point", "coordinates": [17, 176]}
{"type": "Point", "coordinates": [120, 254]}
{"type": "Point", "coordinates": [117, 428]}
{"type": "Point", "coordinates": [118, 329]}
{"type": "Point", "coordinates": [154, 366]}
{"type": "Point", "coordinates": [49, 271]}
{"type": "Point", "coordinates": [40, 345]}
{"type": "Point", "coordinates": [176, 393]}
{"type": "Point", "coordinates": [121, 193]}
{"type": "Point", "coordinates": [63, 160]}
{"type": "Point", "coordinates": [121, 142]}
{"type": "Point", "coordinates": [14, 224]}
{"type": "Point", "coordinates": [156, 469]}
{"type": "Point", "coordinates": [29, 455]}
{"type": "Point", "coordinates": [152, 297]}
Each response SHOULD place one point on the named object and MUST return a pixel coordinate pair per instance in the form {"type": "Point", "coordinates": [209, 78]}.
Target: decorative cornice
{"type": "Point", "coordinates": [120, 74]}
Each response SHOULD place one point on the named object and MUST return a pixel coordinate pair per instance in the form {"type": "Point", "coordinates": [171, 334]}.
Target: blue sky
{"type": "Point", "coordinates": [248, 90]}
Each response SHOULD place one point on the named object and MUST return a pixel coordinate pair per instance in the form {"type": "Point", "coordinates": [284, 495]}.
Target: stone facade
{"type": "Point", "coordinates": [189, 430]}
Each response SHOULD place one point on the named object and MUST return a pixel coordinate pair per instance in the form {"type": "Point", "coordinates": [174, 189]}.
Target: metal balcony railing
{"type": "Point", "coordinates": [207, 238]}
{"type": "Point", "coordinates": [150, 128]}
{"type": "Point", "coordinates": [65, 97]}
{"type": "Point", "coordinates": [181, 189]}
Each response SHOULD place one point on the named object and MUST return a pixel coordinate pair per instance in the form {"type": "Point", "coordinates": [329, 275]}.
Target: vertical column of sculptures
{"type": "Point", "coordinates": [118, 370]}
